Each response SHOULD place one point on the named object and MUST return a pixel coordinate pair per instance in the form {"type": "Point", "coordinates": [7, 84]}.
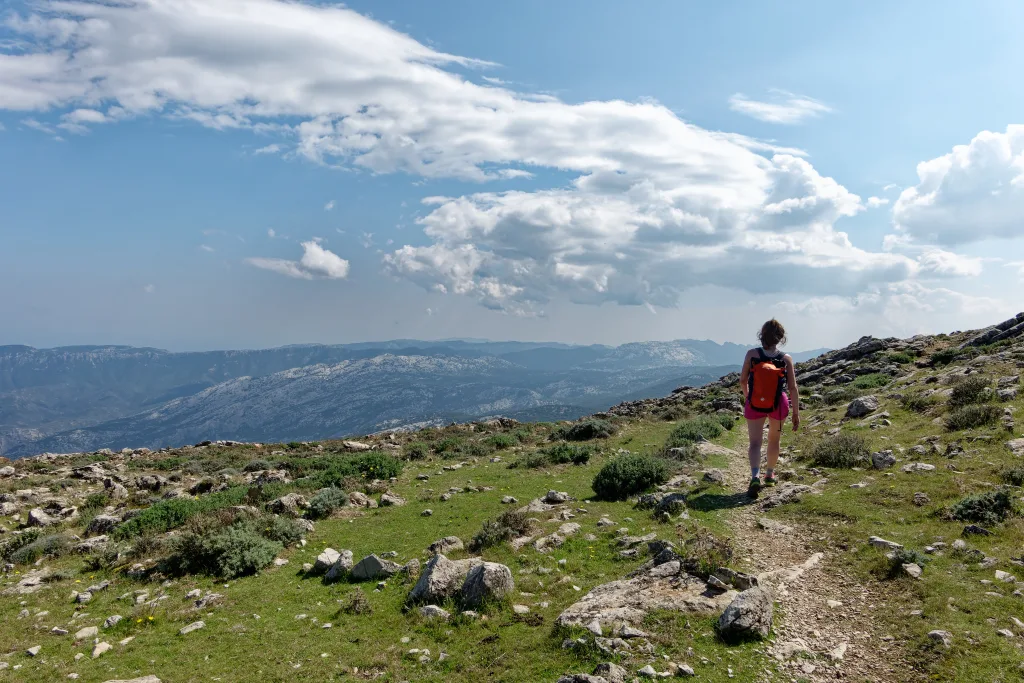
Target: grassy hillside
{"type": "Point", "coordinates": [930, 453]}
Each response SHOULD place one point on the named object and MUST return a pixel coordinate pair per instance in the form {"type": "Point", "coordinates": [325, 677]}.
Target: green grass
{"type": "Point", "coordinates": [871, 381]}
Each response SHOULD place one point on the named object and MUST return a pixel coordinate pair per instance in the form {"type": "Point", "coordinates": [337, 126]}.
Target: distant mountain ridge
{"type": "Point", "coordinates": [86, 397]}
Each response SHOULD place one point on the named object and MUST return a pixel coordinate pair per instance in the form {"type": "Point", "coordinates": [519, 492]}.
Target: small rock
{"type": "Point", "coordinates": [943, 637]}
{"type": "Point", "coordinates": [912, 570]}
{"type": "Point", "coordinates": [99, 648]}
{"type": "Point", "coordinates": [520, 609]}
{"type": "Point", "coordinates": [112, 621]}
{"type": "Point", "coordinates": [434, 612]}
{"type": "Point", "coordinates": [194, 626]}
{"type": "Point", "coordinates": [33, 651]}
{"type": "Point", "coordinates": [87, 632]}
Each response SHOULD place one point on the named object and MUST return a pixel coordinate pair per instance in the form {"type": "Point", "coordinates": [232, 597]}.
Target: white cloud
{"type": "Point", "coordinates": [270, 233]}
{"type": "Point", "coordinates": [329, 206]}
{"type": "Point", "coordinates": [275, 148]}
{"type": "Point", "coordinates": [206, 247]}
{"type": "Point", "coordinates": [316, 262]}
{"type": "Point", "coordinates": [1018, 265]}
{"type": "Point", "coordinates": [896, 301]}
{"type": "Point", "coordinates": [946, 263]}
{"type": "Point", "coordinates": [75, 121]}
{"type": "Point", "coordinates": [876, 202]}
{"type": "Point", "coordinates": [890, 187]}
{"type": "Point", "coordinates": [784, 107]}
{"type": "Point", "coordinates": [37, 125]}
{"type": "Point", "coordinates": [658, 205]}
{"type": "Point", "coordinates": [975, 192]}
{"type": "Point", "coordinates": [149, 289]}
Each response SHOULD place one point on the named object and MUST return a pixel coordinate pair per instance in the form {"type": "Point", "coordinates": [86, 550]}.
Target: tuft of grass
{"type": "Point", "coordinates": [899, 357]}
{"type": "Point", "coordinates": [971, 417]}
{"type": "Point", "coordinates": [695, 429]}
{"type": "Point", "coordinates": [52, 546]}
{"type": "Point", "coordinates": [702, 552]}
{"type": "Point", "coordinates": [585, 430]}
{"type": "Point", "coordinates": [970, 390]}
{"type": "Point", "coordinates": [171, 514]}
{"type": "Point", "coordinates": [627, 475]}
{"type": "Point", "coordinates": [842, 451]}
{"type": "Point", "coordinates": [918, 403]}
{"type": "Point", "coordinates": [509, 524]}
{"type": "Point", "coordinates": [874, 380]}
{"type": "Point", "coordinates": [502, 441]}
{"type": "Point", "coordinates": [1013, 475]}
{"type": "Point", "coordinates": [841, 395]}
{"type": "Point", "coordinates": [945, 356]}
{"type": "Point", "coordinates": [417, 450]}
{"type": "Point", "coordinates": [257, 466]}
{"type": "Point", "coordinates": [727, 421]}
{"type": "Point", "coordinates": [990, 507]}
{"type": "Point", "coordinates": [564, 453]}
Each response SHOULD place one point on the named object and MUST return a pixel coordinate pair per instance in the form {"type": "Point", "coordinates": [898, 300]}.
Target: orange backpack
{"type": "Point", "coordinates": [767, 380]}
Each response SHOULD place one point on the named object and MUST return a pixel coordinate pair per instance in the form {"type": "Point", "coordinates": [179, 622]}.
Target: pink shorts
{"type": "Point", "coordinates": [779, 414]}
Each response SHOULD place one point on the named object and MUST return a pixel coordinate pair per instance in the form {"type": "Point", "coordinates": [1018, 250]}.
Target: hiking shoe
{"type": "Point", "coordinates": [771, 480]}
{"type": "Point", "coordinates": [755, 483]}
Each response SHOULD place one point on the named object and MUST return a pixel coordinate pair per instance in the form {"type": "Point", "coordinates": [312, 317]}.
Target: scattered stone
{"type": "Point", "coordinates": [975, 530]}
{"type": "Point", "coordinates": [884, 544]}
{"type": "Point", "coordinates": [445, 545]}
{"type": "Point", "coordinates": [356, 446]}
{"type": "Point", "coordinates": [434, 612]}
{"type": "Point", "coordinates": [883, 460]}
{"type": "Point", "coordinates": [862, 406]}
{"type": "Point", "coordinates": [557, 498]}
{"type": "Point", "coordinates": [194, 626]}
{"type": "Point", "coordinates": [912, 570]}
{"type": "Point", "coordinates": [361, 500]}
{"type": "Point", "coordinates": [943, 637]}
{"type": "Point", "coordinates": [112, 621]}
{"type": "Point", "coordinates": [918, 467]}
{"type": "Point", "coordinates": [426, 513]}
{"type": "Point", "coordinates": [748, 615]}
{"type": "Point", "coordinates": [389, 499]}
{"type": "Point", "coordinates": [520, 609]}
{"type": "Point", "coordinates": [33, 651]}
{"type": "Point", "coordinates": [921, 499]}
{"type": "Point", "coordinates": [101, 647]}
{"type": "Point", "coordinates": [508, 500]}
{"type": "Point", "coordinates": [325, 560]}
{"type": "Point", "coordinates": [87, 632]}
{"type": "Point", "coordinates": [1005, 577]}
{"type": "Point", "coordinates": [441, 578]}
{"type": "Point", "coordinates": [341, 566]}
{"type": "Point", "coordinates": [372, 568]}
{"type": "Point", "coordinates": [289, 504]}
{"type": "Point", "coordinates": [714, 476]}
{"type": "Point", "coordinates": [613, 673]}
{"type": "Point", "coordinates": [487, 581]}
{"type": "Point", "coordinates": [787, 493]}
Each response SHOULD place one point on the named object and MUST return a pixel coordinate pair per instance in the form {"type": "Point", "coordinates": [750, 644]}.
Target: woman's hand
{"type": "Point", "coordinates": [796, 420]}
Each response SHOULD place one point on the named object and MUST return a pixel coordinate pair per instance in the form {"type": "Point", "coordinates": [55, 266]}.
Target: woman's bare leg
{"type": "Point", "coordinates": [774, 443]}
{"type": "Point", "coordinates": [755, 430]}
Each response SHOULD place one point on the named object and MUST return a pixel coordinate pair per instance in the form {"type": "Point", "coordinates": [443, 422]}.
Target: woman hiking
{"type": "Point", "coordinates": [766, 374]}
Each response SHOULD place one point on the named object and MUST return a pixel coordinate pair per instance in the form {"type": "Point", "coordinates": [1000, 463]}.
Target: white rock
{"type": "Point", "coordinates": [194, 626]}
{"type": "Point", "coordinates": [99, 648]}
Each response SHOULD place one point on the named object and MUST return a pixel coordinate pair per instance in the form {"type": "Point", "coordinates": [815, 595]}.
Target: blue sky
{"type": "Point", "coordinates": [593, 172]}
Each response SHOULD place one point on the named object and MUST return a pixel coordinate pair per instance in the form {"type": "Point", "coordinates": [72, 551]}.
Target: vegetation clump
{"type": "Point", "coordinates": [36, 547]}
{"type": "Point", "coordinates": [1014, 475]}
{"type": "Point", "coordinates": [236, 550]}
{"type": "Point", "coordinates": [918, 403]}
{"type": "Point", "coordinates": [627, 475]}
{"type": "Point", "coordinates": [585, 430]}
{"type": "Point", "coordinates": [990, 507]}
{"type": "Point", "coordinates": [702, 552]}
{"type": "Point", "coordinates": [509, 524]}
{"type": "Point", "coordinates": [694, 429]}
{"type": "Point", "coordinates": [970, 390]}
{"type": "Point", "coordinates": [874, 380]}
{"type": "Point", "coordinates": [971, 417]}
{"type": "Point", "coordinates": [325, 502]}
{"type": "Point", "coordinates": [842, 451]}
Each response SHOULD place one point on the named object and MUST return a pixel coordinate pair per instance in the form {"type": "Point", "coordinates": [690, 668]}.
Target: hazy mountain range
{"type": "Point", "coordinates": [87, 397]}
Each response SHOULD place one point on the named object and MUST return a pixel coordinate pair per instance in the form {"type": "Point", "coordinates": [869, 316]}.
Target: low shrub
{"type": "Point", "coordinates": [417, 450]}
{"type": "Point", "coordinates": [841, 395]}
{"type": "Point", "coordinates": [52, 546]}
{"type": "Point", "coordinates": [899, 357]}
{"type": "Point", "coordinates": [564, 453]}
{"type": "Point", "coordinates": [1014, 475]}
{"type": "Point", "coordinates": [970, 390]}
{"type": "Point", "coordinates": [971, 417]}
{"type": "Point", "coordinates": [727, 421]}
{"type": "Point", "coordinates": [532, 461]}
{"type": "Point", "coordinates": [694, 429]}
{"type": "Point", "coordinates": [237, 550]}
{"type": "Point", "coordinates": [627, 475]}
{"type": "Point", "coordinates": [509, 524]}
{"type": "Point", "coordinates": [341, 469]}
{"type": "Point", "coordinates": [918, 403]}
{"type": "Point", "coordinates": [257, 466]}
{"type": "Point", "coordinates": [325, 502]}
{"type": "Point", "coordinates": [990, 507]}
{"type": "Point", "coordinates": [702, 552]}
{"type": "Point", "coordinates": [945, 356]}
{"type": "Point", "coordinates": [894, 564]}
{"type": "Point", "coordinates": [281, 530]}
{"type": "Point", "coordinates": [170, 514]}
{"type": "Point", "coordinates": [844, 450]}
{"type": "Point", "coordinates": [95, 501]}
{"type": "Point", "coordinates": [502, 441]}
{"type": "Point", "coordinates": [357, 603]}
{"type": "Point", "coordinates": [871, 381]}
{"type": "Point", "coordinates": [585, 430]}
{"type": "Point", "coordinates": [448, 444]}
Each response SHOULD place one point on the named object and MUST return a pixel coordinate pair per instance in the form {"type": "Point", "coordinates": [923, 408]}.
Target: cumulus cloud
{"type": "Point", "coordinates": [783, 107]}
{"type": "Point", "coordinates": [275, 148]}
{"type": "Point", "coordinates": [206, 248]}
{"type": "Point", "coordinates": [657, 205]}
{"type": "Point", "coordinates": [896, 299]}
{"type": "Point", "coordinates": [975, 192]}
{"type": "Point", "coordinates": [329, 206]}
{"type": "Point", "coordinates": [149, 289]}
{"type": "Point", "coordinates": [316, 262]}
{"type": "Point", "coordinates": [876, 202]}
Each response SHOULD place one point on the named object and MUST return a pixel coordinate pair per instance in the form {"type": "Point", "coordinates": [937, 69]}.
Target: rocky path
{"type": "Point", "coordinates": [826, 628]}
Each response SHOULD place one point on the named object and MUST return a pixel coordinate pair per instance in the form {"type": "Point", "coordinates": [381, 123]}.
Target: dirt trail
{"type": "Point", "coordinates": [846, 640]}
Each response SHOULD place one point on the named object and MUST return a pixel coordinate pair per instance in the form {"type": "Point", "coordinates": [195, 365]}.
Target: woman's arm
{"type": "Point", "coordinates": [744, 376]}
{"type": "Point", "coordinates": [794, 391]}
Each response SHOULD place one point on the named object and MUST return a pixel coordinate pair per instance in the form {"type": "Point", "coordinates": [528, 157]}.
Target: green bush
{"type": "Point", "coordinates": [971, 417]}
{"type": "Point", "coordinates": [841, 395]}
{"type": "Point", "coordinates": [257, 466]}
{"type": "Point", "coordinates": [53, 546]}
{"type": "Point", "coordinates": [970, 390]}
{"type": "Point", "coordinates": [727, 421]}
{"type": "Point", "coordinates": [918, 403]}
{"type": "Point", "coordinates": [532, 461]}
{"type": "Point", "coordinates": [170, 514]}
{"type": "Point", "coordinates": [448, 444]}
{"type": "Point", "coordinates": [989, 508]}
{"type": "Point", "coordinates": [899, 357]}
{"type": "Point", "coordinates": [237, 550]}
{"type": "Point", "coordinates": [325, 502]}
{"type": "Point", "coordinates": [702, 552]}
{"type": "Point", "coordinates": [894, 567]}
{"type": "Point", "coordinates": [95, 501]}
{"type": "Point", "coordinates": [502, 441]}
{"type": "Point", "coordinates": [509, 524]}
{"type": "Point", "coordinates": [417, 450]}
{"type": "Point", "coordinates": [871, 381]}
{"type": "Point", "coordinates": [626, 475]}
{"type": "Point", "coordinates": [564, 453]}
{"type": "Point", "coordinates": [945, 356]}
{"type": "Point", "coordinates": [336, 471]}
{"type": "Point", "coordinates": [283, 530]}
{"type": "Point", "coordinates": [377, 465]}
{"type": "Point", "coordinates": [585, 430]}
{"type": "Point", "coordinates": [843, 450]}
{"type": "Point", "coordinates": [1014, 475]}
{"type": "Point", "coordinates": [693, 430]}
